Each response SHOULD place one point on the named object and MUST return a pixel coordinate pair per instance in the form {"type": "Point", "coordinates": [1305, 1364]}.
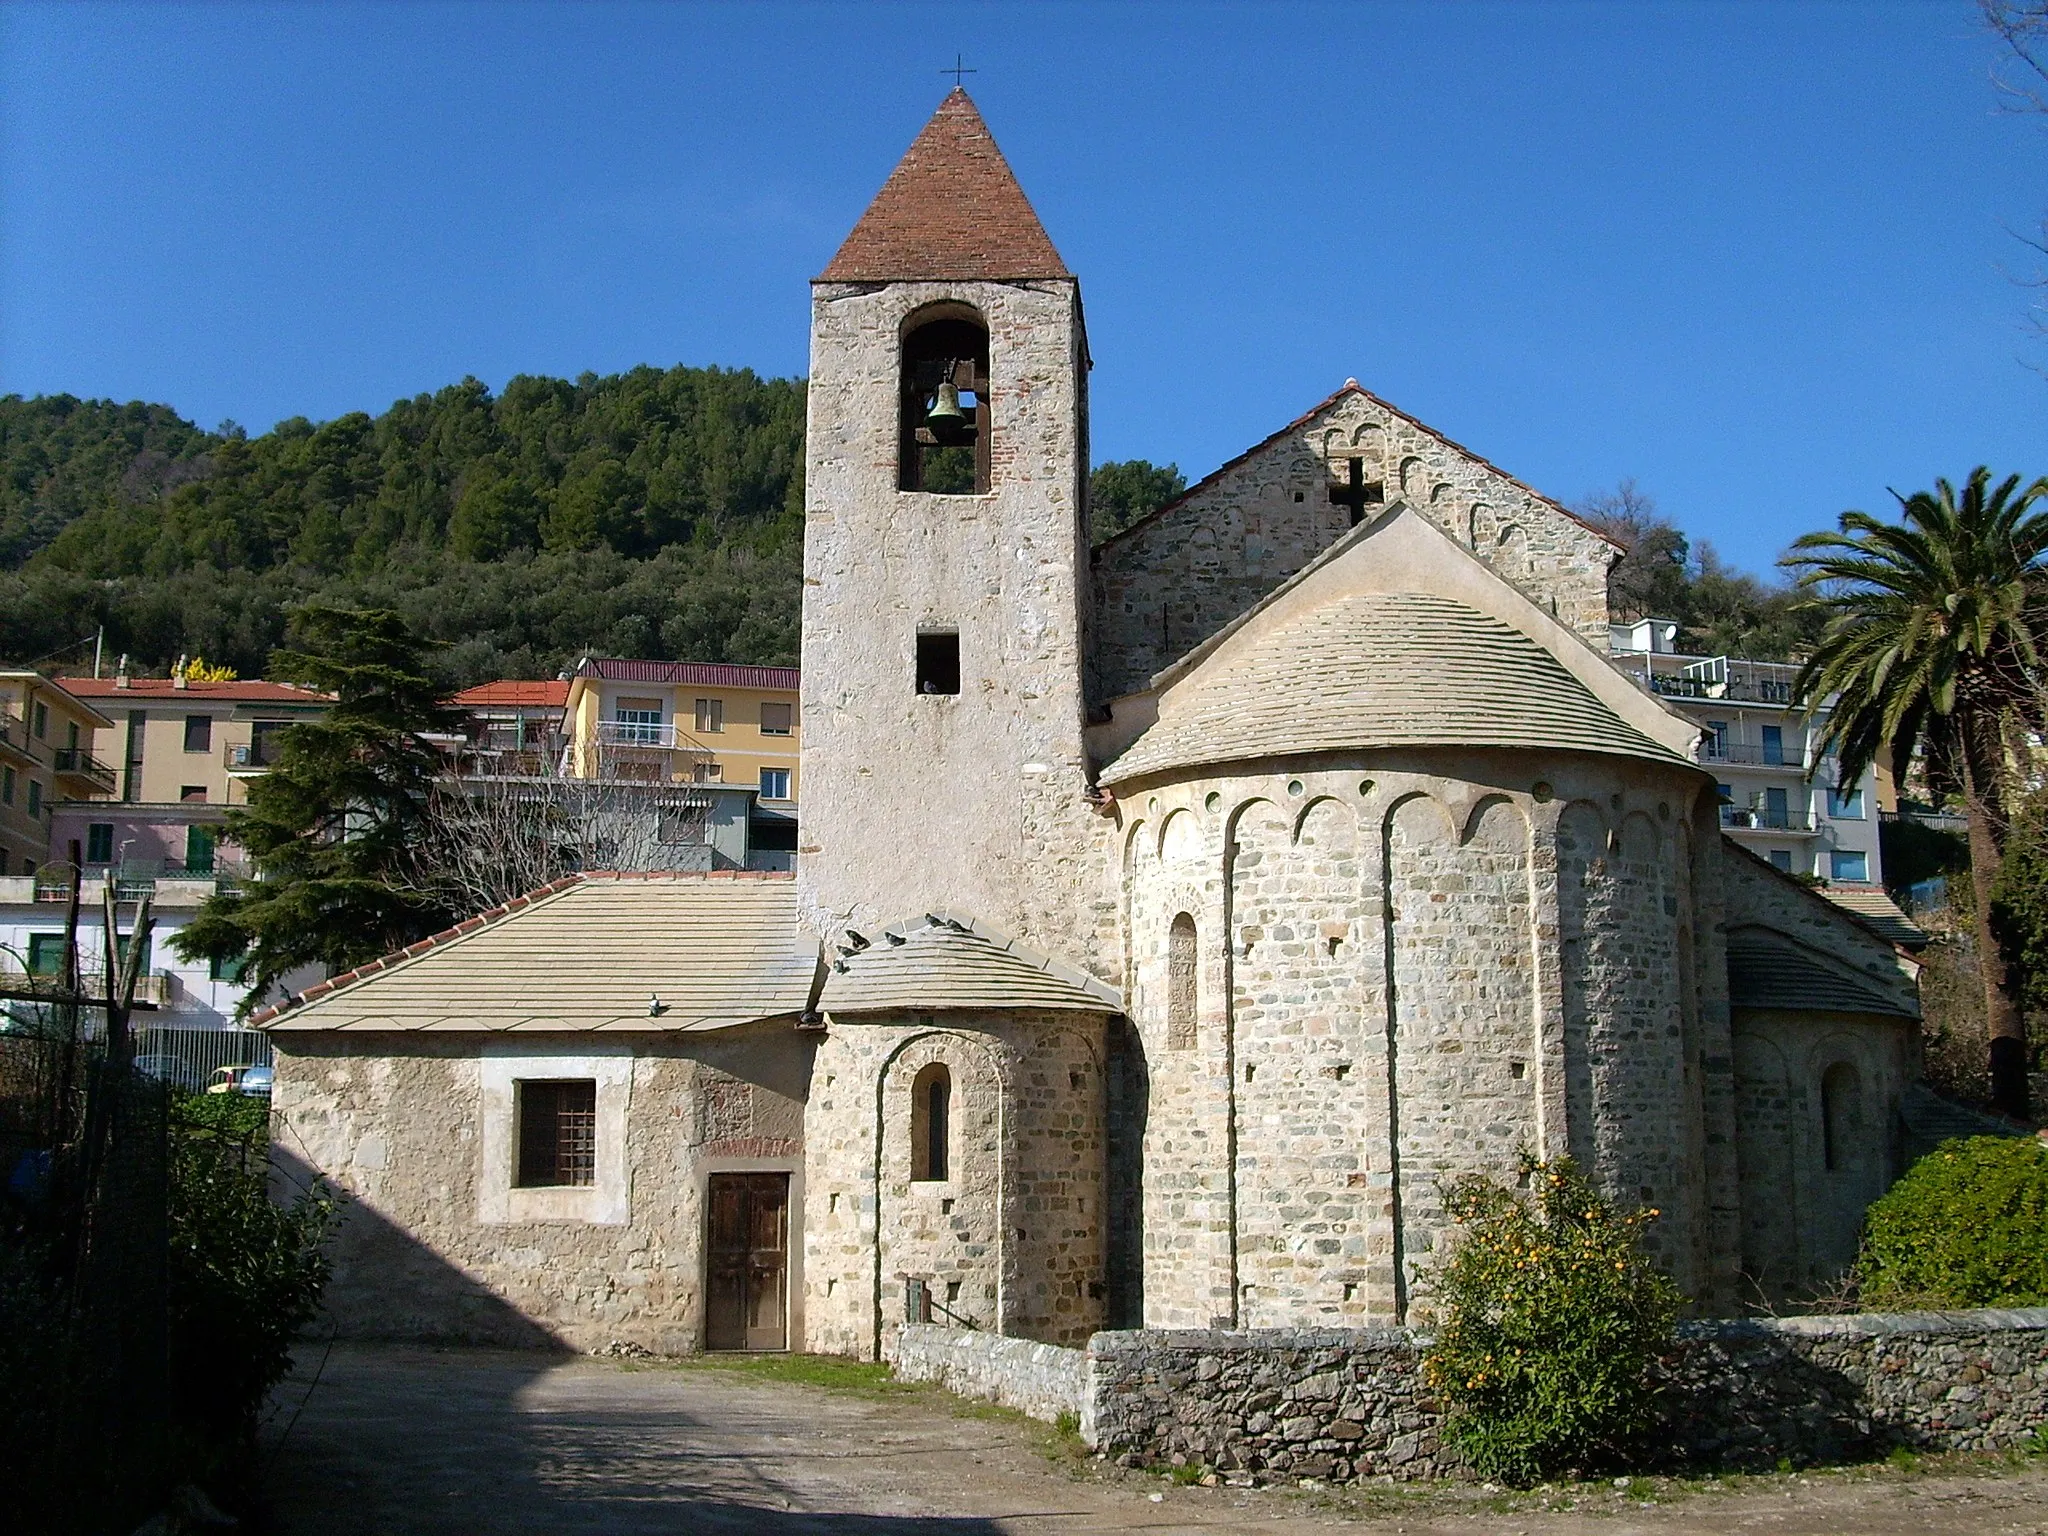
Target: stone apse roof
{"type": "Point", "coordinates": [948, 960]}
{"type": "Point", "coordinates": [1770, 970]}
{"type": "Point", "coordinates": [585, 955]}
{"type": "Point", "coordinates": [951, 211]}
{"type": "Point", "coordinates": [1386, 669]}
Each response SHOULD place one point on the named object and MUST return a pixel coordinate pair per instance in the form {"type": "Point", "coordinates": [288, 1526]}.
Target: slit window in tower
{"type": "Point", "coordinates": [938, 661]}
{"type": "Point", "coordinates": [945, 447]}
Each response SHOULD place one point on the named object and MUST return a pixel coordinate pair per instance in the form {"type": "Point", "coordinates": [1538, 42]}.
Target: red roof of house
{"type": "Point", "coordinates": [509, 692]}
{"type": "Point", "coordinates": [951, 210]}
{"type": "Point", "coordinates": [246, 691]}
{"type": "Point", "coordinates": [712, 674]}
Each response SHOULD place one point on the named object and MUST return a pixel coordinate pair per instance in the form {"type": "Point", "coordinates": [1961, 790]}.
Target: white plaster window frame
{"type": "Point", "coordinates": [605, 1201]}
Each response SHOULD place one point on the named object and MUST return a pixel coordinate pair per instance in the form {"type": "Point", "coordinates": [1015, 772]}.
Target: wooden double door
{"type": "Point", "coordinates": [747, 1298]}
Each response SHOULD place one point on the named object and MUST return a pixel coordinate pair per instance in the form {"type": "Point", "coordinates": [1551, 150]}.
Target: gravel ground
{"type": "Point", "coordinates": [401, 1440]}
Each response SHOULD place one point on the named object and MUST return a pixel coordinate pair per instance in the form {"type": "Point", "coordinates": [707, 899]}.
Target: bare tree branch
{"type": "Point", "coordinates": [489, 838]}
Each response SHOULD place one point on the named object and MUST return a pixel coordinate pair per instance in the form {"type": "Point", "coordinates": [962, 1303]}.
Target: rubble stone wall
{"type": "Point", "coordinates": [1167, 584]}
{"type": "Point", "coordinates": [1043, 1380]}
{"type": "Point", "coordinates": [1350, 1405]}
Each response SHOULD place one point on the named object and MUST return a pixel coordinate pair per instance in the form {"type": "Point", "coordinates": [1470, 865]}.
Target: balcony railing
{"type": "Point", "coordinates": [1757, 818]}
{"type": "Point", "coordinates": [632, 733]}
{"type": "Point", "coordinates": [1755, 754]}
{"type": "Point", "coordinates": [79, 763]}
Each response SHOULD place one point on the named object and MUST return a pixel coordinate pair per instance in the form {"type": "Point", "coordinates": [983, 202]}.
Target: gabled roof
{"type": "Point", "coordinates": [1879, 912]}
{"type": "Point", "coordinates": [950, 211]}
{"type": "Point", "coordinates": [1771, 970]}
{"type": "Point", "coordinates": [252, 690]}
{"type": "Point", "coordinates": [585, 955]}
{"type": "Point", "coordinates": [1349, 387]}
{"type": "Point", "coordinates": [1402, 646]}
{"type": "Point", "coordinates": [949, 960]}
{"type": "Point", "coordinates": [711, 674]}
{"type": "Point", "coordinates": [515, 693]}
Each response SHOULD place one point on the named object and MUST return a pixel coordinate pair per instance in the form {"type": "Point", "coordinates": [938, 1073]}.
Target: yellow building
{"type": "Point", "coordinates": [48, 756]}
{"type": "Point", "coordinates": [687, 722]}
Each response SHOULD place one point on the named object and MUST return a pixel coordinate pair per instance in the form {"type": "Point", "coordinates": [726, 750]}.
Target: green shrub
{"type": "Point", "coordinates": [1966, 1227]}
{"type": "Point", "coordinates": [1549, 1320]}
{"type": "Point", "coordinates": [245, 1272]}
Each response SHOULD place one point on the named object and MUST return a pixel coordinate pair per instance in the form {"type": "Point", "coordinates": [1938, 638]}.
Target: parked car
{"type": "Point", "coordinates": [166, 1068]}
{"type": "Point", "coordinates": [254, 1081]}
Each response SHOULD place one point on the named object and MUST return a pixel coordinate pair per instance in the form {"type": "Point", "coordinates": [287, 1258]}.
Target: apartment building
{"type": "Point", "coordinates": [179, 754]}
{"type": "Point", "coordinates": [48, 759]}
{"type": "Point", "coordinates": [511, 728]}
{"type": "Point", "coordinates": [1781, 796]}
{"type": "Point", "coordinates": [734, 730]}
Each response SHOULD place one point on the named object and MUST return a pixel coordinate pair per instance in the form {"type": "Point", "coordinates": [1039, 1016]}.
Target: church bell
{"type": "Point", "coordinates": [944, 416]}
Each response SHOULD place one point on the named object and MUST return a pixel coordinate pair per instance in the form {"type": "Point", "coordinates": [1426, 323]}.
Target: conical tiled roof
{"type": "Point", "coordinates": [1381, 669]}
{"type": "Point", "coordinates": [950, 211]}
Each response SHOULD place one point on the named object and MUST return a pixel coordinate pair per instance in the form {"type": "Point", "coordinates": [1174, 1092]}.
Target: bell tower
{"type": "Point", "coordinates": [944, 557]}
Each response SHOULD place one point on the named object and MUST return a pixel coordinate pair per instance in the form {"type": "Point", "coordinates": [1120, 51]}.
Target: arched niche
{"type": "Point", "coordinates": [944, 363]}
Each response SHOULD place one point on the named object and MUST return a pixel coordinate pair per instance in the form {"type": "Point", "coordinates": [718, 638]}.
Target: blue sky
{"type": "Point", "coordinates": [1759, 257]}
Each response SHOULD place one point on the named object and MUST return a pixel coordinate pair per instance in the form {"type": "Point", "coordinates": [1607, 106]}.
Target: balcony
{"type": "Point", "coordinates": [1750, 754]}
{"type": "Point", "coordinates": [631, 749]}
{"type": "Point", "coordinates": [84, 770]}
{"type": "Point", "coordinates": [1757, 818]}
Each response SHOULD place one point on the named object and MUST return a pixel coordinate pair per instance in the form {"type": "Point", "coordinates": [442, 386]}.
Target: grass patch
{"type": "Point", "coordinates": [835, 1373]}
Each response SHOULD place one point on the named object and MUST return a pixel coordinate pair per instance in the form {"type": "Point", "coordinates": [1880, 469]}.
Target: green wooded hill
{"type": "Point", "coordinates": [647, 513]}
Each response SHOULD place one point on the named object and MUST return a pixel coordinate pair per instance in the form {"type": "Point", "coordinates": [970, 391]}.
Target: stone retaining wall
{"type": "Point", "coordinates": [1042, 1380]}
{"type": "Point", "coordinates": [1823, 1388]}
{"type": "Point", "coordinates": [1347, 1404]}
{"type": "Point", "coordinates": [1344, 1405]}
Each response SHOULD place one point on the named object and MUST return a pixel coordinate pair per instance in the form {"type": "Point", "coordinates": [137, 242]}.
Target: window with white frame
{"type": "Point", "coordinates": [1845, 802]}
{"type": "Point", "coordinates": [1846, 865]}
{"type": "Point", "coordinates": [638, 722]}
{"type": "Point", "coordinates": [774, 783]}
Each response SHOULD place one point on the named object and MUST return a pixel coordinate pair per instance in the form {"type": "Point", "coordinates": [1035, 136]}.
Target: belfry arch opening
{"type": "Point", "coordinates": [943, 403]}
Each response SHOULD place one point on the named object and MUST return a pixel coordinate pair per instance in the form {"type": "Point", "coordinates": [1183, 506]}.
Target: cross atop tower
{"type": "Point", "coordinates": [957, 69]}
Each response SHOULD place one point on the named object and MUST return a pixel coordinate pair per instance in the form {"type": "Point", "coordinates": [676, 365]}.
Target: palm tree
{"type": "Point", "coordinates": [1934, 636]}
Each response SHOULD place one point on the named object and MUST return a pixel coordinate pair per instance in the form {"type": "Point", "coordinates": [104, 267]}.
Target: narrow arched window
{"type": "Point", "coordinates": [931, 1124]}
{"type": "Point", "coordinates": [944, 404]}
{"type": "Point", "coordinates": [1181, 962]}
{"type": "Point", "coordinates": [1841, 1104]}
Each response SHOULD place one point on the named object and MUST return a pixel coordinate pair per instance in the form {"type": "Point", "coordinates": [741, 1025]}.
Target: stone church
{"type": "Point", "coordinates": [1173, 918]}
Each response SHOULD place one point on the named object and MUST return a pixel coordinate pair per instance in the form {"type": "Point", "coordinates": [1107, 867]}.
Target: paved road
{"type": "Point", "coordinates": [397, 1441]}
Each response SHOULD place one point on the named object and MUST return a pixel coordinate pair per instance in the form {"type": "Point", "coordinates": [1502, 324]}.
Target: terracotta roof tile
{"type": "Point", "coordinates": [950, 211]}
{"type": "Point", "coordinates": [248, 691]}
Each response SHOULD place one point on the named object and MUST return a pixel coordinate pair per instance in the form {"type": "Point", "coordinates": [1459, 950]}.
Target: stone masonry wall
{"type": "Point", "coordinates": [433, 1245]}
{"type": "Point", "coordinates": [973, 801]}
{"type": "Point", "coordinates": [1011, 1240]}
{"type": "Point", "coordinates": [1043, 1380]}
{"type": "Point", "coordinates": [1309, 1105]}
{"type": "Point", "coordinates": [1350, 1405]}
{"type": "Point", "coordinates": [1166, 585]}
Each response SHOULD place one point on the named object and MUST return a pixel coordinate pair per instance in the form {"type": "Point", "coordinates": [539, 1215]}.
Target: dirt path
{"type": "Point", "coordinates": [397, 1441]}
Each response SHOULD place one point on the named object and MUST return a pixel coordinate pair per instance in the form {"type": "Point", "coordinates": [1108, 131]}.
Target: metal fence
{"type": "Point", "coordinates": [84, 1292]}
{"type": "Point", "coordinates": [188, 1058]}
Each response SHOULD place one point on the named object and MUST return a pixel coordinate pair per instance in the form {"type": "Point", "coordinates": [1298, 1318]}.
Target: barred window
{"type": "Point", "coordinates": [557, 1132]}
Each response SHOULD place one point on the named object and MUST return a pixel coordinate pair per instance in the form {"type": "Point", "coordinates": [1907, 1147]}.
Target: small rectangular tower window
{"type": "Point", "coordinates": [557, 1132]}
{"type": "Point", "coordinates": [938, 661]}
